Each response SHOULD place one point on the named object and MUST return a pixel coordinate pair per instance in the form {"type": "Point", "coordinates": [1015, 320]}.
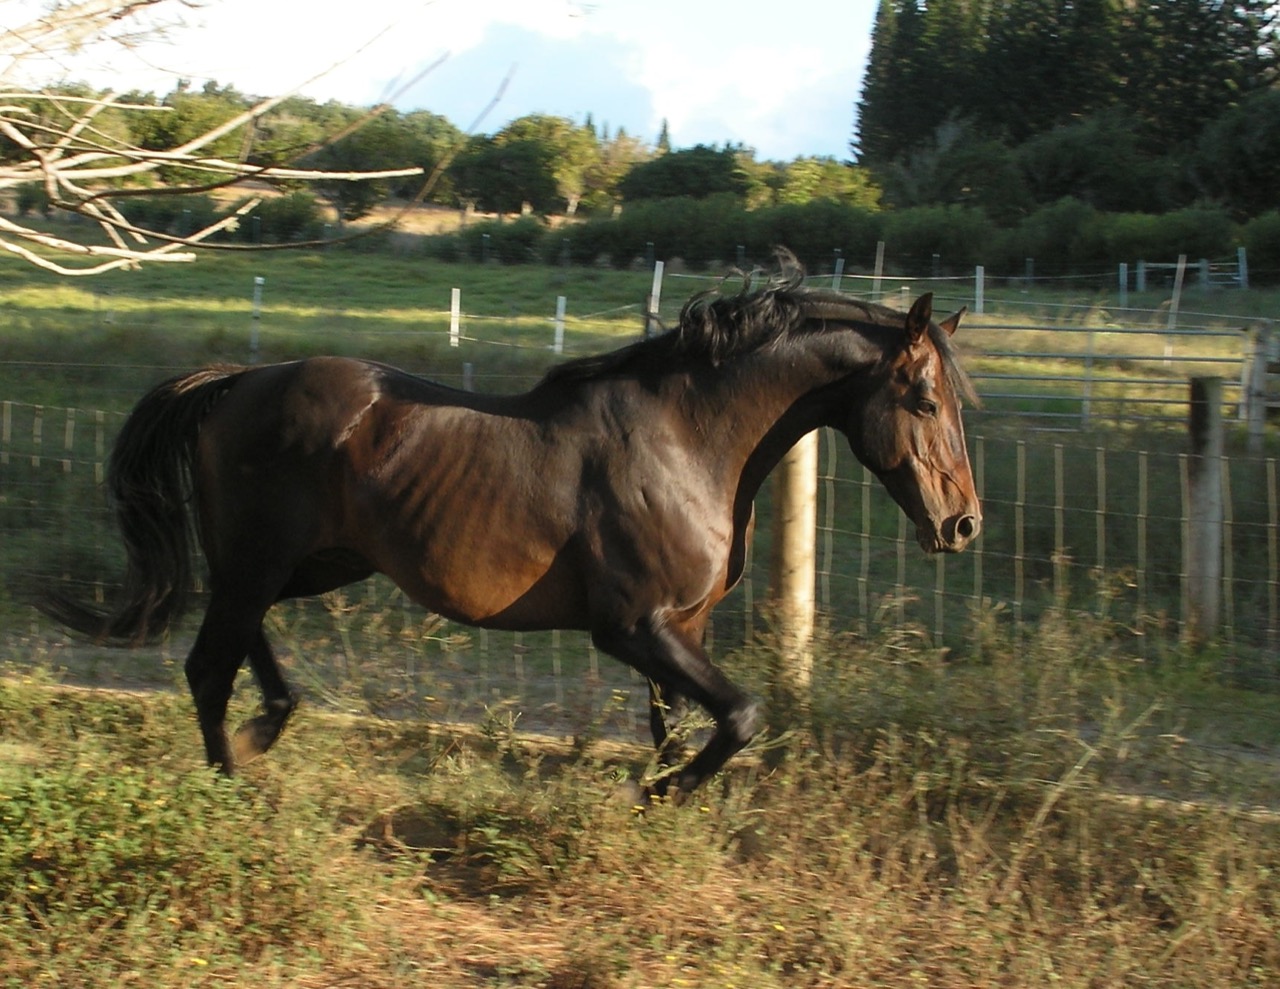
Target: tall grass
{"type": "Point", "coordinates": [1020, 819]}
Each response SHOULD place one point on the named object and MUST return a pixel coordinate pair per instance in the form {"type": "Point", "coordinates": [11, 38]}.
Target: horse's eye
{"type": "Point", "coordinates": [927, 407]}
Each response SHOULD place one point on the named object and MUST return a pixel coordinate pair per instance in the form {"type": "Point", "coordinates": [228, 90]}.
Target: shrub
{"type": "Point", "coordinates": [32, 198]}
{"type": "Point", "coordinates": [815, 231]}
{"type": "Point", "coordinates": [961, 236]}
{"type": "Point", "coordinates": [175, 215]}
{"type": "Point", "coordinates": [1261, 239]}
{"type": "Point", "coordinates": [281, 219]}
{"type": "Point", "coordinates": [1197, 232]}
{"type": "Point", "coordinates": [509, 242]}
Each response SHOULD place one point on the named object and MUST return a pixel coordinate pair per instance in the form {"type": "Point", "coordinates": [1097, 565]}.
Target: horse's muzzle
{"type": "Point", "coordinates": [952, 536]}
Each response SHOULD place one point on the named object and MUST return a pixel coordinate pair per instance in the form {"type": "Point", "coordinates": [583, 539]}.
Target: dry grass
{"type": "Point", "coordinates": [1024, 819]}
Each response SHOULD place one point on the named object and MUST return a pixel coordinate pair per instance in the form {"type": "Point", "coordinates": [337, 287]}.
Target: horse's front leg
{"type": "Point", "coordinates": [673, 657]}
{"type": "Point", "coordinates": [260, 732]}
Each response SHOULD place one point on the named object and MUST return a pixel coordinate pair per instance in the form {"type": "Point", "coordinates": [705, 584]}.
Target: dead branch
{"type": "Point", "coordinates": [82, 168]}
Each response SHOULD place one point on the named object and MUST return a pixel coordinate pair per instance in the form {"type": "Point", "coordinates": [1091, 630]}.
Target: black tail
{"type": "Point", "coordinates": [149, 484]}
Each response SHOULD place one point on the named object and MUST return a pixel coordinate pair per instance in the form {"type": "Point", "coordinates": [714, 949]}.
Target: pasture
{"type": "Point", "coordinates": [1075, 797]}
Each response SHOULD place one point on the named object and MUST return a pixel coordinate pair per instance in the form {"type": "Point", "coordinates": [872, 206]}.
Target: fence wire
{"type": "Point", "coordinates": [1076, 517]}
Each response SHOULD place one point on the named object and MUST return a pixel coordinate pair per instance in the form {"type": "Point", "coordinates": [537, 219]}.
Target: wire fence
{"type": "Point", "coordinates": [1077, 517]}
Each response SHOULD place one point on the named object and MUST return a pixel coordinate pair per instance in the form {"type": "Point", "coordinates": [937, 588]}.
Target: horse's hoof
{"type": "Point", "coordinates": [631, 794]}
{"type": "Point", "coordinates": [258, 734]}
{"type": "Point", "coordinates": [253, 738]}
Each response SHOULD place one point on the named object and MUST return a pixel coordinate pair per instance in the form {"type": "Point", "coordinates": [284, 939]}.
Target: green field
{"type": "Point", "coordinates": [1075, 798]}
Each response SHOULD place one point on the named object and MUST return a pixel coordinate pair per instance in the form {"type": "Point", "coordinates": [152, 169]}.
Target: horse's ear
{"type": "Point", "coordinates": [951, 322]}
{"type": "Point", "coordinates": [917, 324]}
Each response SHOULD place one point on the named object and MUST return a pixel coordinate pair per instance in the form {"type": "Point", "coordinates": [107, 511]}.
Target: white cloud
{"type": "Point", "coordinates": [738, 70]}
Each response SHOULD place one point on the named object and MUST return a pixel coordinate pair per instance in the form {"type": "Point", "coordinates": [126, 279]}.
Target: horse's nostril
{"type": "Point", "coordinates": [966, 527]}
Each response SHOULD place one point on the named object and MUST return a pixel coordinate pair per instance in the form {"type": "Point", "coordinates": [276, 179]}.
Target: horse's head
{"type": "Point", "coordinates": [906, 429]}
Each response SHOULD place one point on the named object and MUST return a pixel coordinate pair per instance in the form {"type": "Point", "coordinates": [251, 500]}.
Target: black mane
{"type": "Point", "coordinates": [718, 325]}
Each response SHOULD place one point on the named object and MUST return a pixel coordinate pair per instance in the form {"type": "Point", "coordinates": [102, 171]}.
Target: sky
{"type": "Point", "coordinates": [779, 76]}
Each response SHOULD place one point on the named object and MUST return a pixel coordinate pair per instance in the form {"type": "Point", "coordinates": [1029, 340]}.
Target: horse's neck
{"type": "Point", "coordinates": [762, 406]}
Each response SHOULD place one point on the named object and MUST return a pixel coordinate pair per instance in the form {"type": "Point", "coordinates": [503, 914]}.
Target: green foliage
{"type": "Point", "coordinates": [1237, 160]}
{"type": "Point", "coordinates": [1103, 160]}
{"type": "Point", "coordinates": [1197, 233]}
{"type": "Point", "coordinates": [695, 173]}
{"type": "Point", "coordinates": [814, 231]}
{"type": "Point", "coordinates": [1101, 101]}
{"type": "Point", "coordinates": [91, 855]}
{"type": "Point", "coordinates": [282, 219]}
{"type": "Point", "coordinates": [176, 215]}
{"type": "Point", "coordinates": [1261, 238]}
{"type": "Point", "coordinates": [31, 197]}
{"type": "Point", "coordinates": [512, 242]}
{"type": "Point", "coordinates": [959, 235]}
{"type": "Point", "coordinates": [808, 180]}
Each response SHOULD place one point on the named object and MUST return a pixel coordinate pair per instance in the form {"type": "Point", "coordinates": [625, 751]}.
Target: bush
{"type": "Point", "coordinates": [1261, 239]}
{"type": "Point", "coordinates": [815, 231]}
{"type": "Point", "coordinates": [31, 197]}
{"type": "Point", "coordinates": [509, 242]}
{"type": "Point", "coordinates": [174, 215]}
{"type": "Point", "coordinates": [202, 865]}
{"type": "Point", "coordinates": [961, 236]}
{"type": "Point", "coordinates": [1061, 235]}
{"type": "Point", "coordinates": [282, 219]}
{"type": "Point", "coordinates": [1197, 232]}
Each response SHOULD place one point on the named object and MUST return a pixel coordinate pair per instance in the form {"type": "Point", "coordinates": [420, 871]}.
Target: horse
{"type": "Point", "coordinates": [615, 496]}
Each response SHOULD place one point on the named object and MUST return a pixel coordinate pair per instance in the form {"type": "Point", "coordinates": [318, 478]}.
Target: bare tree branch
{"type": "Point", "coordinates": [82, 168]}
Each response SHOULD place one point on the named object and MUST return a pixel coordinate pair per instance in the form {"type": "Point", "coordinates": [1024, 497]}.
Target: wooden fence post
{"type": "Point", "coordinates": [1203, 555]}
{"type": "Point", "coordinates": [792, 575]}
{"type": "Point", "coordinates": [1255, 384]}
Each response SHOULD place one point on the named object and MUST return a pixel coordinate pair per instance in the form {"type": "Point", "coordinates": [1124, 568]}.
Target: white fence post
{"type": "Point", "coordinates": [1242, 267]}
{"type": "Point", "coordinates": [455, 316]}
{"type": "Point", "coordinates": [979, 289]}
{"type": "Point", "coordinates": [879, 272]}
{"type": "Point", "coordinates": [558, 345]}
{"type": "Point", "coordinates": [655, 300]}
{"type": "Point", "coordinates": [258, 282]}
{"type": "Point", "coordinates": [1124, 284]}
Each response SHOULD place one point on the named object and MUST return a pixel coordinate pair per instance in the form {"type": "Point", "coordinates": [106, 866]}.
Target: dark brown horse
{"type": "Point", "coordinates": [614, 497]}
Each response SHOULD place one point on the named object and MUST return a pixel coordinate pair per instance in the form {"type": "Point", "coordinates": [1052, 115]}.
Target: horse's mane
{"type": "Point", "coordinates": [722, 323]}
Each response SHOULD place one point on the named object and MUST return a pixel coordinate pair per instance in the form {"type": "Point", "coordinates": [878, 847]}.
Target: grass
{"type": "Point", "coordinates": [1071, 799]}
{"type": "Point", "coordinates": [1023, 819]}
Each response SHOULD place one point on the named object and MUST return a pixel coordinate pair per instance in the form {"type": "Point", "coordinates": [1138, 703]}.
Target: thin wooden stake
{"type": "Point", "coordinates": [1020, 536]}
{"type": "Point", "coordinates": [1273, 558]}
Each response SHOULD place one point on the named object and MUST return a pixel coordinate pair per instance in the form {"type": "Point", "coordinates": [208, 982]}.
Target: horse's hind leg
{"type": "Point", "coordinates": [259, 733]}
{"type": "Point", "coordinates": [227, 634]}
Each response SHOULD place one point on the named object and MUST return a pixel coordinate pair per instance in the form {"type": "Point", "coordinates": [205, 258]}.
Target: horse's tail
{"type": "Point", "coordinates": [150, 488]}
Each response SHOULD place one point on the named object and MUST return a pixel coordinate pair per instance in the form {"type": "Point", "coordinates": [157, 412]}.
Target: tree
{"type": "Point", "coordinates": [566, 152]}
{"type": "Point", "coordinates": [664, 138]}
{"type": "Point", "coordinates": [377, 144]}
{"type": "Point", "coordinates": [1237, 159]}
{"type": "Point", "coordinates": [53, 139]}
{"type": "Point", "coordinates": [696, 172]}
{"type": "Point", "coordinates": [618, 155]}
{"type": "Point", "coordinates": [807, 180]}
{"type": "Point", "coordinates": [1188, 61]}
{"type": "Point", "coordinates": [890, 116]}
{"type": "Point", "coordinates": [1102, 160]}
